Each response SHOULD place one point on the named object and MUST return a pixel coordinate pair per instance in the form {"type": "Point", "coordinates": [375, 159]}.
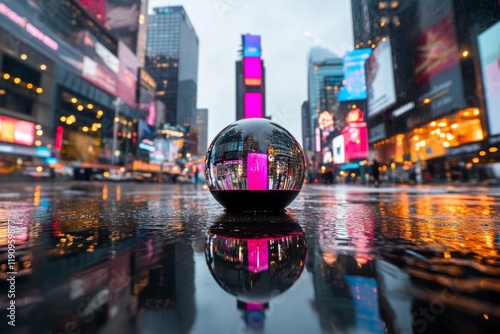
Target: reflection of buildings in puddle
{"type": "Point", "coordinates": [255, 258]}
{"type": "Point", "coordinates": [163, 285]}
{"type": "Point", "coordinates": [15, 254]}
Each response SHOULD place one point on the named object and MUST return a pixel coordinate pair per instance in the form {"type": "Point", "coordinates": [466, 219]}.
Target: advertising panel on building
{"type": "Point", "coordinates": [489, 52]}
{"type": "Point", "coordinates": [356, 141]}
{"type": "Point", "coordinates": [100, 66]}
{"type": "Point", "coordinates": [253, 105]}
{"type": "Point", "coordinates": [354, 75]}
{"type": "Point", "coordinates": [338, 150]}
{"type": "Point", "coordinates": [16, 131]}
{"type": "Point", "coordinates": [127, 74]}
{"type": "Point", "coordinates": [251, 46]}
{"type": "Point", "coordinates": [252, 71]}
{"type": "Point", "coordinates": [380, 78]}
{"type": "Point", "coordinates": [437, 71]}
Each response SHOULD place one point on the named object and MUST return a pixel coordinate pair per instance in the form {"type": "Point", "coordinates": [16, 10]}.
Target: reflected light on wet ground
{"type": "Point", "coordinates": [133, 258]}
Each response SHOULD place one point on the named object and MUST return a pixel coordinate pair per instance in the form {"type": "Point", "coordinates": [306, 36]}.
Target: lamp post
{"type": "Point", "coordinates": [117, 103]}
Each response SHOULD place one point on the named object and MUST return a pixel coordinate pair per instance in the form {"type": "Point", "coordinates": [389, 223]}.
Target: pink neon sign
{"type": "Point", "coordinates": [32, 30]}
{"type": "Point", "coordinates": [253, 105]}
{"type": "Point", "coordinates": [16, 131]}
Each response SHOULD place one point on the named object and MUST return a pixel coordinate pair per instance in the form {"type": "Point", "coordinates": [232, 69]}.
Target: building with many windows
{"type": "Point", "coordinates": [172, 60]}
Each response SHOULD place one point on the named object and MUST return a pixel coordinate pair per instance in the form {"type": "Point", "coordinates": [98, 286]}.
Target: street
{"type": "Point", "coordinates": [97, 257]}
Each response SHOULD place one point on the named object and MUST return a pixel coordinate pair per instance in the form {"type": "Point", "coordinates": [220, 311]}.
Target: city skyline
{"type": "Point", "coordinates": [288, 33]}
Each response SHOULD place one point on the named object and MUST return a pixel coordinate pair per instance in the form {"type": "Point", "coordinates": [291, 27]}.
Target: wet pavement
{"type": "Point", "coordinates": [151, 258]}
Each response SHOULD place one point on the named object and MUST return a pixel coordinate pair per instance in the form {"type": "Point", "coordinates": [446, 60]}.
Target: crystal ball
{"type": "Point", "coordinates": [255, 164]}
{"type": "Point", "coordinates": [255, 258]}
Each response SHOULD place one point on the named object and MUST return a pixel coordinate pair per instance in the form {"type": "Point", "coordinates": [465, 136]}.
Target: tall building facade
{"type": "Point", "coordinates": [202, 129]}
{"type": "Point", "coordinates": [60, 70]}
{"type": "Point", "coordinates": [438, 120]}
{"type": "Point", "coordinates": [172, 60]}
{"type": "Point", "coordinates": [324, 82]}
{"type": "Point", "coordinates": [250, 80]}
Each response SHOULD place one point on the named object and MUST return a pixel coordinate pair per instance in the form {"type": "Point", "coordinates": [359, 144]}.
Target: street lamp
{"type": "Point", "coordinates": [117, 103]}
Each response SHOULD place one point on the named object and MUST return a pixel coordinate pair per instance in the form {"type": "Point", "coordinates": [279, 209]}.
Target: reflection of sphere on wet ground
{"type": "Point", "coordinates": [255, 165]}
{"type": "Point", "coordinates": [256, 257]}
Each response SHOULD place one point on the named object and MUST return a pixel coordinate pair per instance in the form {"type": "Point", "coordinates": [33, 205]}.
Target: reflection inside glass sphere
{"type": "Point", "coordinates": [255, 155]}
{"type": "Point", "coordinates": [255, 258]}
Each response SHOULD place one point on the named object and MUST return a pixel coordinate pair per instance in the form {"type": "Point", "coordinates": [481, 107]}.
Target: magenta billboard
{"type": "Point", "coordinates": [253, 105]}
{"type": "Point", "coordinates": [252, 71]}
{"type": "Point", "coordinates": [355, 141]}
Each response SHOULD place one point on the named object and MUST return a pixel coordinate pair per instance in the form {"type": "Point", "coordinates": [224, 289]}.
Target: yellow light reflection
{"type": "Point", "coordinates": [493, 149]}
{"type": "Point", "coordinates": [105, 192]}
{"type": "Point", "coordinates": [37, 194]}
{"type": "Point", "coordinates": [118, 193]}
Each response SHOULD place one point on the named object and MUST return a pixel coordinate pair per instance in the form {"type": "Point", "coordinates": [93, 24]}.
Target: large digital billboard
{"type": "Point", "coordinates": [338, 150]}
{"type": "Point", "coordinates": [100, 66]}
{"type": "Point", "coordinates": [252, 71]}
{"type": "Point", "coordinates": [354, 75]}
{"type": "Point", "coordinates": [16, 131]}
{"type": "Point", "coordinates": [355, 141]}
{"type": "Point", "coordinates": [127, 74]}
{"type": "Point", "coordinates": [489, 55]}
{"type": "Point", "coordinates": [251, 46]}
{"type": "Point", "coordinates": [253, 105]}
{"type": "Point", "coordinates": [380, 78]}
{"type": "Point", "coordinates": [437, 72]}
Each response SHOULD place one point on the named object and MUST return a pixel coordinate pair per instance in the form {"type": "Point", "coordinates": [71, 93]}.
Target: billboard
{"type": "Point", "coordinates": [252, 71]}
{"type": "Point", "coordinates": [256, 171]}
{"type": "Point", "coordinates": [338, 150]}
{"type": "Point", "coordinates": [380, 78]}
{"type": "Point", "coordinates": [253, 105]}
{"type": "Point", "coordinates": [437, 73]}
{"type": "Point", "coordinates": [489, 57]}
{"type": "Point", "coordinates": [16, 131]}
{"type": "Point", "coordinates": [354, 75]}
{"type": "Point", "coordinates": [100, 66]}
{"type": "Point", "coordinates": [251, 46]}
{"type": "Point", "coordinates": [127, 74]}
{"type": "Point", "coordinates": [355, 141]}
{"type": "Point", "coordinates": [120, 17]}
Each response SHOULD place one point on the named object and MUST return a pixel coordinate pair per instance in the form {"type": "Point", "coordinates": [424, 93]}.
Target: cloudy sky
{"type": "Point", "coordinates": [288, 29]}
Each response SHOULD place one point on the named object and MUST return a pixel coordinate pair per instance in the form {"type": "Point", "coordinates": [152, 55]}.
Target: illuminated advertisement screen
{"type": "Point", "coordinates": [437, 71]}
{"type": "Point", "coordinates": [256, 171]}
{"type": "Point", "coordinates": [489, 55]}
{"type": "Point", "coordinates": [338, 150]}
{"type": "Point", "coordinates": [252, 71]}
{"type": "Point", "coordinates": [16, 131]}
{"type": "Point", "coordinates": [127, 74]}
{"type": "Point", "coordinates": [122, 18]}
{"type": "Point", "coordinates": [251, 46]}
{"type": "Point", "coordinates": [100, 66]}
{"type": "Point", "coordinates": [354, 75]}
{"type": "Point", "coordinates": [145, 136]}
{"type": "Point", "coordinates": [380, 79]}
{"type": "Point", "coordinates": [96, 8]}
{"type": "Point", "coordinates": [355, 141]}
{"type": "Point", "coordinates": [253, 105]}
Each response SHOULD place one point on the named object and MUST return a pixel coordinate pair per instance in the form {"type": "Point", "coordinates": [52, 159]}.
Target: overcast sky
{"type": "Point", "coordinates": [288, 29]}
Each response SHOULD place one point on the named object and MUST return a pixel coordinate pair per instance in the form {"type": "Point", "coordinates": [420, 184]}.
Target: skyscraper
{"type": "Point", "coordinates": [172, 60]}
{"type": "Point", "coordinates": [202, 129]}
{"type": "Point", "coordinates": [250, 80]}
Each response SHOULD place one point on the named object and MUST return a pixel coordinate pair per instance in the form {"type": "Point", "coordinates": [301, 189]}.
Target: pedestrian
{"type": "Point", "coordinates": [195, 176]}
{"type": "Point", "coordinates": [375, 172]}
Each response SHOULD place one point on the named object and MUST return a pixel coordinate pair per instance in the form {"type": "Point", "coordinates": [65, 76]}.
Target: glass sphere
{"type": "Point", "coordinates": [255, 164]}
{"type": "Point", "coordinates": [255, 258]}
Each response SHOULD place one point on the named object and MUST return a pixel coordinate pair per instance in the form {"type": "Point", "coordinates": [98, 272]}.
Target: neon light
{"type": "Point", "coordinates": [23, 23]}
{"type": "Point", "coordinates": [251, 46]}
{"type": "Point", "coordinates": [16, 131]}
{"type": "Point", "coordinates": [59, 137]}
{"type": "Point", "coordinates": [252, 71]}
{"type": "Point", "coordinates": [253, 105]}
